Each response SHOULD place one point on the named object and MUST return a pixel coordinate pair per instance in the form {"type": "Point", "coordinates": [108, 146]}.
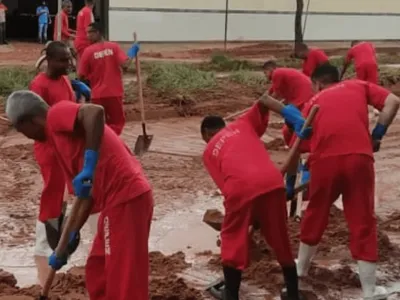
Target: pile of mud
{"type": "Point", "coordinates": [164, 282]}
{"type": "Point", "coordinates": [265, 272]}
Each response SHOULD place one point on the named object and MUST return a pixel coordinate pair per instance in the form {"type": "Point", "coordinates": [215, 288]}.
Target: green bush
{"type": "Point", "coordinates": [12, 79]}
{"type": "Point", "coordinates": [181, 77]}
{"type": "Point", "coordinates": [222, 63]}
{"type": "Point", "coordinates": [248, 78]}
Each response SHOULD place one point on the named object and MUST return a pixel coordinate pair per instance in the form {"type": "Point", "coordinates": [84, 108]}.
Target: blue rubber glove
{"type": "Point", "coordinates": [305, 175]}
{"type": "Point", "coordinates": [81, 89]}
{"type": "Point", "coordinates": [379, 132]}
{"type": "Point", "coordinates": [83, 181]}
{"type": "Point", "coordinates": [293, 117]}
{"type": "Point", "coordinates": [133, 50]}
{"type": "Point", "coordinates": [290, 182]}
{"type": "Point", "coordinates": [57, 263]}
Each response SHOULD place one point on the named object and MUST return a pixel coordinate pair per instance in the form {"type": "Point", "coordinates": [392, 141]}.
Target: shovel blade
{"type": "Point", "coordinates": [142, 144]}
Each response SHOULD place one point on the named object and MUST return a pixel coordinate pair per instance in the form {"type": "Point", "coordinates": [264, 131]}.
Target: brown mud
{"type": "Point", "coordinates": [265, 272]}
{"type": "Point", "coordinates": [164, 282]}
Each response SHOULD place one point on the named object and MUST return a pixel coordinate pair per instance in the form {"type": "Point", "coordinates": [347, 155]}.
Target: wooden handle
{"type": "Point", "coordinates": [294, 149]}
{"type": "Point", "coordinates": [139, 82]}
{"type": "Point", "coordinates": [238, 113]}
{"type": "Point", "coordinates": [62, 244]}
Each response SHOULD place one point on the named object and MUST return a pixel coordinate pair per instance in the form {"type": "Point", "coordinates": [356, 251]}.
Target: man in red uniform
{"type": "Point", "coordinates": [364, 56]}
{"type": "Point", "coordinates": [291, 86]}
{"type": "Point", "coordinates": [342, 163]}
{"type": "Point", "coordinates": [253, 190]}
{"type": "Point", "coordinates": [83, 20]}
{"type": "Point", "coordinates": [53, 86]}
{"type": "Point", "coordinates": [103, 173]}
{"type": "Point", "coordinates": [101, 64]}
{"type": "Point", "coordinates": [312, 58]}
{"type": "Point", "coordinates": [66, 34]}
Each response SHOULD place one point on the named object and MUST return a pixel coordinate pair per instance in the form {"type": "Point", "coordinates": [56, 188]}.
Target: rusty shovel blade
{"type": "Point", "coordinates": [142, 144]}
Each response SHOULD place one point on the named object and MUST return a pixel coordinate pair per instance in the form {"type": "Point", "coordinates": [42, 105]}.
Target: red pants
{"type": "Point", "coordinates": [353, 177]}
{"type": "Point", "coordinates": [368, 72]}
{"type": "Point", "coordinates": [114, 110]}
{"type": "Point", "coordinates": [269, 211]}
{"type": "Point", "coordinates": [118, 265]}
{"type": "Point", "coordinates": [52, 196]}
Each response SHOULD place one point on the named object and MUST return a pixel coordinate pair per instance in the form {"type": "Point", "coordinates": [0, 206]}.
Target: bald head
{"type": "Point", "coordinates": [23, 105]}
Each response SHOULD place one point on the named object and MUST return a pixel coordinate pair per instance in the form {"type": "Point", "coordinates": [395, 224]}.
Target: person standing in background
{"type": "Point", "coordinates": [83, 20]}
{"type": "Point", "coordinates": [101, 65]}
{"type": "Point", "coordinates": [66, 34]}
{"type": "Point", "coordinates": [43, 14]}
{"type": "Point", "coordinates": [3, 10]}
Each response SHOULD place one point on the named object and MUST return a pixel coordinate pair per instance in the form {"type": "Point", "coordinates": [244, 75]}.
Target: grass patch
{"type": "Point", "coordinates": [180, 77]}
{"type": "Point", "coordinates": [224, 63]}
{"type": "Point", "coordinates": [389, 76]}
{"type": "Point", "coordinates": [13, 79]}
{"type": "Point", "coordinates": [248, 78]}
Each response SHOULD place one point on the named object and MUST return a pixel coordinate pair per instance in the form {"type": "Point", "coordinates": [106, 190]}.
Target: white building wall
{"type": "Point", "coordinates": [189, 20]}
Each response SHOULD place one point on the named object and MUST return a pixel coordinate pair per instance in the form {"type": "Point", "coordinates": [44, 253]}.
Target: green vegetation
{"type": "Point", "coordinates": [224, 63]}
{"type": "Point", "coordinates": [248, 78]}
{"type": "Point", "coordinates": [180, 77]}
{"type": "Point", "coordinates": [12, 79]}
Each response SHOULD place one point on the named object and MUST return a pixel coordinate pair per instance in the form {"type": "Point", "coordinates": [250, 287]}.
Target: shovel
{"type": "Point", "coordinates": [62, 247]}
{"type": "Point", "coordinates": [143, 141]}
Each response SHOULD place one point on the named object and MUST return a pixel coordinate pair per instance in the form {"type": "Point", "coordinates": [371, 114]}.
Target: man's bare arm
{"type": "Point", "coordinates": [389, 111]}
{"type": "Point", "coordinates": [91, 119]}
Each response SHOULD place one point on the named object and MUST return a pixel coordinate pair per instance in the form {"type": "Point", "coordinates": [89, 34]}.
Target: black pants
{"type": "Point", "coordinates": [2, 33]}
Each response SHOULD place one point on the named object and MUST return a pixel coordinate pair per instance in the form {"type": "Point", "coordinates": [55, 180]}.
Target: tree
{"type": "Point", "coordinates": [298, 31]}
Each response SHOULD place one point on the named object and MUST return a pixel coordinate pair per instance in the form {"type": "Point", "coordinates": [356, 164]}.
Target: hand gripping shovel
{"type": "Point", "coordinates": [143, 142]}
{"type": "Point", "coordinates": [62, 247]}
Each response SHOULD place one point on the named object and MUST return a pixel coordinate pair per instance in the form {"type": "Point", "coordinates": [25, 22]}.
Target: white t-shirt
{"type": "Point", "coordinates": [2, 15]}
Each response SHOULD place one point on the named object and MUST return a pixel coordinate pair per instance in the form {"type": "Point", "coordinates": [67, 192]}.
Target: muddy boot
{"type": "Point", "coordinates": [233, 278]}
{"type": "Point", "coordinates": [303, 261]}
{"type": "Point", "coordinates": [367, 272]}
{"type": "Point", "coordinates": [291, 291]}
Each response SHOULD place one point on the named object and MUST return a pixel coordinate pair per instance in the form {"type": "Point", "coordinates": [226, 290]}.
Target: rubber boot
{"type": "Point", "coordinates": [291, 291]}
{"type": "Point", "coordinates": [303, 261]}
{"type": "Point", "coordinates": [233, 278]}
{"type": "Point", "coordinates": [367, 272]}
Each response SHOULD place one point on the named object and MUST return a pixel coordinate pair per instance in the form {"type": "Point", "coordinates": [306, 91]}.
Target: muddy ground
{"type": "Point", "coordinates": [175, 170]}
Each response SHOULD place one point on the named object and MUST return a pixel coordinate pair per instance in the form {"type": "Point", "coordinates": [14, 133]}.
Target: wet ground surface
{"type": "Point", "coordinates": [183, 192]}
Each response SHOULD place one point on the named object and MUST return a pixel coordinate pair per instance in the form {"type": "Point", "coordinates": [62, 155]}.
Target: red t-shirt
{"type": "Point", "coordinates": [52, 90]}
{"type": "Point", "coordinates": [315, 57]}
{"type": "Point", "coordinates": [291, 85]}
{"type": "Point", "coordinates": [65, 34]}
{"type": "Point", "coordinates": [341, 125]}
{"type": "Point", "coordinates": [119, 176]}
{"type": "Point", "coordinates": [101, 64]}
{"type": "Point", "coordinates": [362, 53]}
{"type": "Point", "coordinates": [83, 20]}
{"type": "Point", "coordinates": [237, 161]}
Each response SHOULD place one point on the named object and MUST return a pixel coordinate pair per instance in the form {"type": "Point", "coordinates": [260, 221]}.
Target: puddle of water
{"type": "Point", "coordinates": [181, 229]}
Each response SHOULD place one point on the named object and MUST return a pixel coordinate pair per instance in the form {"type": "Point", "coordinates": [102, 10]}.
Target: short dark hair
{"type": "Point", "coordinates": [53, 48]}
{"type": "Point", "coordinates": [89, 1]}
{"type": "Point", "coordinates": [212, 123]}
{"type": "Point", "coordinates": [96, 26]}
{"type": "Point", "coordinates": [354, 42]}
{"type": "Point", "coordinates": [326, 73]}
{"type": "Point", "coordinates": [270, 64]}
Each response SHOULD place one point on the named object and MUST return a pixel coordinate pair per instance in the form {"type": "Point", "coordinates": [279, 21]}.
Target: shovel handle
{"type": "Point", "coordinates": [139, 82]}
{"type": "Point", "coordinates": [238, 113]}
{"type": "Point", "coordinates": [62, 245]}
{"type": "Point", "coordinates": [295, 148]}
